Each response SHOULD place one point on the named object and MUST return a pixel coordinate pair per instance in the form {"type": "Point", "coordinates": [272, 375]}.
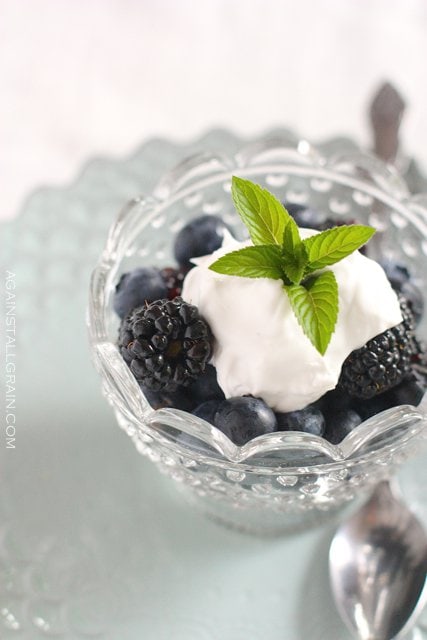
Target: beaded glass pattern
{"type": "Point", "coordinates": [282, 480]}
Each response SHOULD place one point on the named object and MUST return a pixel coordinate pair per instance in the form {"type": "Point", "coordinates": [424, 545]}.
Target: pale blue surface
{"type": "Point", "coordinates": [94, 542]}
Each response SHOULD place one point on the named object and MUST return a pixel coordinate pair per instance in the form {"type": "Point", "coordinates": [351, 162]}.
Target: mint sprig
{"type": "Point", "coordinates": [280, 253]}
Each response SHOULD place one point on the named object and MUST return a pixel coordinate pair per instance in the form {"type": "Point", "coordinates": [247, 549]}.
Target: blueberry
{"type": "Point", "coordinates": [206, 387]}
{"type": "Point", "coordinates": [207, 410]}
{"type": "Point", "coordinates": [243, 418]}
{"type": "Point", "coordinates": [202, 391]}
{"type": "Point", "coordinates": [335, 400]}
{"type": "Point", "coordinates": [308, 420]}
{"type": "Point", "coordinates": [369, 407]}
{"type": "Point", "coordinates": [162, 399]}
{"type": "Point", "coordinates": [407, 392]}
{"type": "Point", "coordinates": [199, 237]}
{"type": "Point", "coordinates": [396, 273]}
{"type": "Point", "coordinates": [401, 281]}
{"type": "Point", "coordinates": [340, 423]}
{"type": "Point", "coordinates": [306, 217]}
{"type": "Point", "coordinates": [141, 285]}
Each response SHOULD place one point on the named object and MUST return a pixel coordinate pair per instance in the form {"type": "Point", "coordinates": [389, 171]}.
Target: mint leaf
{"type": "Point", "coordinates": [293, 250]}
{"type": "Point", "coordinates": [315, 304]}
{"type": "Point", "coordinates": [294, 265]}
{"type": "Point", "coordinates": [262, 261]}
{"type": "Point", "coordinates": [261, 212]}
{"type": "Point", "coordinates": [291, 237]}
{"type": "Point", "coordinates": [334, 244]}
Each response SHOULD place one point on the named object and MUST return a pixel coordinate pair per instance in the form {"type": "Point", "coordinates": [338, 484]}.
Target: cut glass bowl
{"type": "Point", "coordinates": [285, 480]}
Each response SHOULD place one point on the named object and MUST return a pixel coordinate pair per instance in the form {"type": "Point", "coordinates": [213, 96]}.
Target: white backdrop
{"type": "Point", "coordinates": [88, 77]}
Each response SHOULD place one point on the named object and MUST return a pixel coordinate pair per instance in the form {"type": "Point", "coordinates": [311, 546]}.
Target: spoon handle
{"type": "Point", "coordinates": [386, 112]}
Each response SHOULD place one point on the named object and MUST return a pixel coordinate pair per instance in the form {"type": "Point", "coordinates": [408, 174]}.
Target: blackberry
{"type": "Point", "coordinates": [166, 344]}
{"type": "Point", "coordinates": [414, 298]}
{"type": "Point", "coordinates": [173, 279]}
{"type": "Point", "coordinates": [419, 363]}
{"type": "Point", "coordinates": [383, 362]}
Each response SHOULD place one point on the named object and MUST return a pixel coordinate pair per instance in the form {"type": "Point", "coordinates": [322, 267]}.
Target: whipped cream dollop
{"type": "Point", "coordinates": [261, 350]}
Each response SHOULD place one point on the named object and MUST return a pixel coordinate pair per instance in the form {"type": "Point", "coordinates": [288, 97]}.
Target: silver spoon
{"type": "Point", "coordinates": [378, 558]}
{"type": "Point", "coordinates": [386, 113]}
{"type": "Point", "coordinates": [377, 566]}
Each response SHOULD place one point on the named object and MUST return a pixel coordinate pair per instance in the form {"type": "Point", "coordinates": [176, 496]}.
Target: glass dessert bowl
{"type": "Point", "coordinates": [283, 480]}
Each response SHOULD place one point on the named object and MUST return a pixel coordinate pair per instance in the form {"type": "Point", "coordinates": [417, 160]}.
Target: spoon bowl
{"type": "Point", "coordinates": [378, 565]}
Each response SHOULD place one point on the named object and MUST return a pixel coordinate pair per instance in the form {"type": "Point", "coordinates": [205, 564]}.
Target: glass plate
{"type": "Point", "coordinates": [94, 542]}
